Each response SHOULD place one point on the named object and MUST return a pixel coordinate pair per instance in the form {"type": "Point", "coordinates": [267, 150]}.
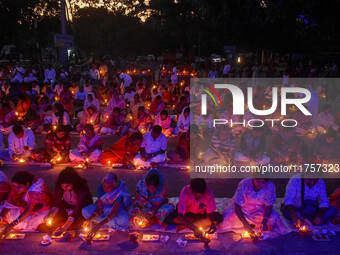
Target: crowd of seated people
{"type": "Point", "coordinates": [144, 123]}
{"type": "Point", "coordinates": [27, 204]}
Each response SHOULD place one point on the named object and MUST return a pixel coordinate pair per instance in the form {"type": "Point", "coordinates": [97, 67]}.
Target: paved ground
{"type": "Point", "coordinates": [176, 179]}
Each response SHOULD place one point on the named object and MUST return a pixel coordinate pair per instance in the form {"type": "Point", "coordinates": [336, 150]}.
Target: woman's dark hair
{"type": "Point", "coordinates": [60, 113]}
{"type": "Point", "coordinates": [198, 185]}
{"type": "Point", "coordinates": [187, 109]}
{"type": "Point", "coordinates": [70, 176]}
{"type": "Point", "coordinates": [152, 179]}
{"type": "Point", "coordinates": [165, 112]}
{"type": "Point", "coordinates": [23, 177]}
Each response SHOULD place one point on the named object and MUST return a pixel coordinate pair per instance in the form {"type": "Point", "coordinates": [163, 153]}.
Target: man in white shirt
{"type": "Point", "coordinates": [174, 78]}
{"type": "Point", "coordinates": [58, 88]}
{"type": "Point", "coordinates": [94, 73]}
{"type": "Point", "coordinates": [21, 142]}
{"type": "Point", "coordinates": [19, 73]}
{"type": "Point", "coordinates": [81, 95]}
{"type": "Point", "coordinates": [127, 79]}
{"type": "Point", "coordinates": [152, 151]}
{"type": "Point", "coordinates": [129, 94]}
{"type": "Point", "coordinates": [311, 204]}
{"type": "Point", "coordinates": [50, 75]}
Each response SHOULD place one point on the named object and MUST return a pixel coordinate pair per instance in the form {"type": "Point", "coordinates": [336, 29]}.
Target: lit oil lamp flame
{"type": "Point", "coordinates": [87, 160]}
{"type": "Point", "coordinates": [140, 223]}
{"type": "Point", "coordinates": [54, 127]}
{"type": "Point", "coordinates": [86, 229]}
{"type": "Point", "coordinates": [49, 222]}
{"type": "Point", "coordinates": [59, 158]}
{"type": "Point", "coordinates": [246, 234]}
{"type": "Point", "coordinates": [21, 160]}
{"type": "Point", "coordinates": [109, 162]}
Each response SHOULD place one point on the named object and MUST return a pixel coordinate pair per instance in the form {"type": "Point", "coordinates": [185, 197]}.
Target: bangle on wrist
{"type": "Point", "coordinates": [15, 222]}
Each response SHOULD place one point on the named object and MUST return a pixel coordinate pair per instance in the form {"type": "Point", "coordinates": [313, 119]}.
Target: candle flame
{"type": "Point", "coordinates": [109, 162]}
{"type": "Point", "coordinates": [49, 222]}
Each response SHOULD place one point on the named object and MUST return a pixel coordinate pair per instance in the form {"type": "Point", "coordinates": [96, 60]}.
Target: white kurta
{"type": "Point", "coordinates": [16, 145]}
{"type": "Point", "coordinates": [253, 205]}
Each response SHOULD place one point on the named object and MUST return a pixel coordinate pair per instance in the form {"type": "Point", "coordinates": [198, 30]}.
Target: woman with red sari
{"type": "Point", "coordinates": [27, 205]}
{"type": "Point", "coordinates": [157, 105]}
{"type": "Point", "coordinates": [123, 151]}
{"type": "Point", "coordinates": [7, 119]}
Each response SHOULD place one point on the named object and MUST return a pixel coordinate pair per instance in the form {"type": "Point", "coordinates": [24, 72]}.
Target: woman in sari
{"type": "Point", "coordinates": [143, 121]}
{"type": "Point", "coordinates": [163, 119]}
{"type": "Point", "coordinates": [5, 187]}
{"type": "Point", "coordinates": [67, 103]}
{"type": "Point", "coordinates": [89, 148]}
{"type": "Point", "coordinates": [115, 125]}
{"type": "Point", "coordinates": [112, 206]}
{"type": "Point", "coordinates": [23, 105]}
{"type": "Point", "coordinates": [45, 107]}
{"type": "Point", "coordinates": [183, 122]}
{"type": "Point", "coordinates": [91, 116]}
{"type": "Point", "coordinates": [151, 201]}
{"type": "Point", "coordinates": [57, 147]}
{"type": "Point", "coordinates": [32, 119]}
{"type": "Point", "coordinates": [134, 106]}
{"type": "Point", "coordinates": [91, 100]}
{"type": "Point", "coordinates": [71, 195]}
{"type": "Point", "coordinates": [60, 117]}
{"type": "Point", "coordinates": [66, 93]}
{"type": "Point", "coordinates": [7, 119]}
{"type": "Point", "coordinates": [252, 204]}
{"type": "Point", "coordinates": [27, 205]}
{"type": "Point", "coordinates": [123, 151]}
{"type": "Point", "coordinates": [157, 105]}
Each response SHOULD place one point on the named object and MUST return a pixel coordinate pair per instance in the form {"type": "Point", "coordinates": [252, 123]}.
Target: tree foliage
{"type": "Point", "coordinates": [125, 27]}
